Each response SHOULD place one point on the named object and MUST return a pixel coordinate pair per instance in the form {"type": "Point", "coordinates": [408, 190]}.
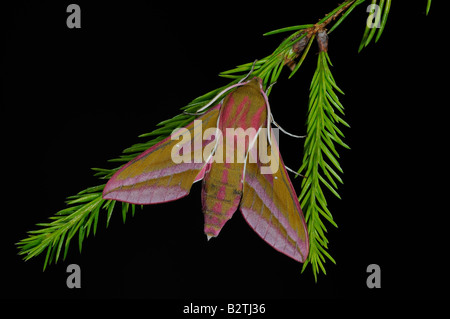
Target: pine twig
{"type": "Point", "coordinates": [320, 160]}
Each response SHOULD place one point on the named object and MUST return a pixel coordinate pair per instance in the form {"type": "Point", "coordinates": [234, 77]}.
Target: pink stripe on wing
{"type": "Point", "coordinates": [147, 195]}
{"type": "Point", "coordinates": [268, 202]}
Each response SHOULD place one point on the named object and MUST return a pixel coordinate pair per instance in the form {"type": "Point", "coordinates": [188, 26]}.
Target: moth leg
{"type": "Point", "coordinates": [294, 172]}
{"type": "Point", "coordinates": [286, 132]}
{"type": "Point", "coordinates": [271, 84]}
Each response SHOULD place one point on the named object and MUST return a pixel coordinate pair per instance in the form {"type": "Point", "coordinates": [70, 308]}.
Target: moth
{"type": "Point", "coordinates": [233, 173]}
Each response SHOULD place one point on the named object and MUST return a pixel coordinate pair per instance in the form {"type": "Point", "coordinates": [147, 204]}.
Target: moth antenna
{"type": "Point", "coordinates": [271, 84]}
{"type": "Point", "coordinates": [220, 94]}
{"type": "Point", "coordinates": [248, 74]}
{"type": "Point", "coordinates": [292, 171]}
{"type": "Point", "coordinates": [286, 132]}
{"type": "Point", "coordinates": [241, 82]}
{"type": "Point", "coordinates": [195, 114]}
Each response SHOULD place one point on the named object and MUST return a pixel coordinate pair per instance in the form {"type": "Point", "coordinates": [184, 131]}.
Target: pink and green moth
{"type": "Point", "coordinates": [232, 178]}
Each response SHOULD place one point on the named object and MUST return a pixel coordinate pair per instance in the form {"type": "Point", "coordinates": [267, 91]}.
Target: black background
{"type": "Point", "coordinates": [74, 98]}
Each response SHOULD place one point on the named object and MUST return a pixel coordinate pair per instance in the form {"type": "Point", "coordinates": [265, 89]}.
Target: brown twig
{"type": "Point", "coordinates": [318, 28]}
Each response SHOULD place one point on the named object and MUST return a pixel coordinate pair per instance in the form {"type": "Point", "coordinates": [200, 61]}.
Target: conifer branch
{"type": "Point", "coordinates": [320, 162]}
